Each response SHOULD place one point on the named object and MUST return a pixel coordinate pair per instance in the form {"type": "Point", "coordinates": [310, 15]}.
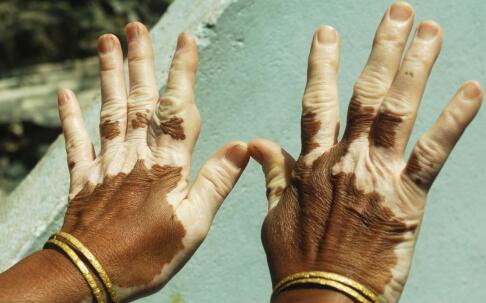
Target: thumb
{"type": "Point", "coordinates": [277, 165]}
{"type": "Point", "coordinates": [218, 176]}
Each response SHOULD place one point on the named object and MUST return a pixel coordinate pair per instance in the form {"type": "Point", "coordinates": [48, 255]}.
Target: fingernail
{"type": "Point", "coordinates": [63, 96]}
{"type": "Point", "coordinates": [326, 35]}
{"type": "Point", "coordinates": [401, 11]}
{"type": "Point", "coordinates": [256, 154]}
{"type": "Point", "coordinates": [106, 44]}
{"type": "Point", "coordinates": [238, 155]}
{"type": "Point", "coordinates": [428, 30]}
{"type": "Point", "coordinates": [181, 41]}
{"type": "Point", "coordinates": [133, 31]}
{"type": "Point", "coordinates": [472, 91]}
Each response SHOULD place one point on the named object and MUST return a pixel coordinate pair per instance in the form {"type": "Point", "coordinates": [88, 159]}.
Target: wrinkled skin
{"type": "Point", "coordinates": [131, 204]}
{"type": "Point", "coordinates": [354, 206]}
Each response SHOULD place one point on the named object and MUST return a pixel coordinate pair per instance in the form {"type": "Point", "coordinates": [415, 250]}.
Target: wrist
{"type": "Point", "coordinates": [311, 295]}
{"type": "Point", "coordinates": [45, 276]}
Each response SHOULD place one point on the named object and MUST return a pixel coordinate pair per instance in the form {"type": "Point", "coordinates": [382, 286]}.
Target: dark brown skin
{"type": "Point", "coordinates": [354, 206]}
{"type": "Point", "coordinates": [132, 204]}
{"type": "Point", "coordinates": [152, 242]}
{"type": "Point", "coordinates": [173, 128]}
{"type": "Point", "coordinates": [110, 130]}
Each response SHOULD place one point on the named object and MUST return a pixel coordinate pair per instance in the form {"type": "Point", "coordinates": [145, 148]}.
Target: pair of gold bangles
{"type": "Point", "coordinates": [71, 246]}
{"type": "Point", "coordinates": [347, 286]}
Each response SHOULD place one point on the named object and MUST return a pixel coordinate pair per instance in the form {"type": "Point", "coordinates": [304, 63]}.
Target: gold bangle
{"type": "Point", "coordinates": [324, 282]}
{"type": "Point", "coordinates": [80, 248]}
{"type": "Point", "coordinates": [334, 277]}
{"type": "Point", "coordinates": [82, 268]}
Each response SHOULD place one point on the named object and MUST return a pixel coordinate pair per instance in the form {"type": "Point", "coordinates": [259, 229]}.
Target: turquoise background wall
{"type": "Point", "coordinates": [250, 82]}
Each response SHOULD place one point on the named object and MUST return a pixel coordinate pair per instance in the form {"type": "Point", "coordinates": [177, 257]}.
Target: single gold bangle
{"type": "Point", "coordinates": [82, 268]}
{"type": "Point", "coordinates": [323, 282]}
{"type": "Point", "coordinates": [334, 277]}
{"type": "Point", "coordinates": [80, 248]}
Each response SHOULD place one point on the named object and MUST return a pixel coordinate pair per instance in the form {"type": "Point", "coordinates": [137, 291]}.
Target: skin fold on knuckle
{"type": "Point", "coordinates": [317, 98]}
{"type": "Point", "coordinates": [218, 178]}
{"type": "Point", "coordinates": [371, 87]}
{"type": "Point", "coordinates": [389, 43]}
{"type": "Point", "coordinates": [425, 162]}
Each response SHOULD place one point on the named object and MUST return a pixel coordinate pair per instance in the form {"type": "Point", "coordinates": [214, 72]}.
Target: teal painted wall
{"type": "Point", "coordinates": [250, 83]}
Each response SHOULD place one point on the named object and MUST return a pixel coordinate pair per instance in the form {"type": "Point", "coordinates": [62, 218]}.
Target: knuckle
{"type": "Point", "coordinates": [142, 93]}
{"type": "Point", "coordinates": [416, 59]}
{"type": "Point", "coordinates": [169, 105]}
{"type": "Point", "coordinates": [388, 41]}
{"type": "Point", "coordinates": [108, 63]}
{"type": "Point", "coordinates": [140, 54]}
{"type": "Point", "coordinates": [317, 97]}
{"type": "Point", "coordinates": [369, 89]}
{"type": "Point", "coordinates": [398, 105]}
{"type": "Point", "coordinates": [322, 62]}
{"type": "Point", "coordinates": [217, 178]}
{"type": "Point", "coordinates": [431, 154]}
{"type": "Point", "coordinates": [452, 119]}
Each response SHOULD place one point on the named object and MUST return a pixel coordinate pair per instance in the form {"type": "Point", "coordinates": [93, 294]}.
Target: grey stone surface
{"type": "Point", "coordinates": [31, 94]}
{"type": "Point", "coordinates": [250, 83]}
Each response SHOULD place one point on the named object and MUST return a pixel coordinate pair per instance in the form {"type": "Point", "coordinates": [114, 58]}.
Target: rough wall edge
{"type": "Point", "coordinates": [20, 223]}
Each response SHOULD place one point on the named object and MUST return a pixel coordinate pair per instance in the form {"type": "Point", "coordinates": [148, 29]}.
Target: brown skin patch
{"type": "Point", "coordinates": [110, 130]}
{"type": "Point", "coordinates": [310, 127]}
{"type": "Point", "coordinates": [384, 130]}
{"type": "Point", "coordinates": [414, 169]}
{"type": "Point", "coordinates": [173, 127]}
{"type": "Point", "coordinates": [128, 224]}
{"type": "Point", "coordinates": [140, 120]}
{"type": "Point", "coordinates": [324, 222]}
{"type": "Point", "coordinates": [360, 119]}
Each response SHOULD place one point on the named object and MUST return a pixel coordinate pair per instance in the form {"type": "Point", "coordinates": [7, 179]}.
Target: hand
{"type": "Point", "coordinates": [132, 204]}
{"type": "Point", "coordinates": [354, 207]}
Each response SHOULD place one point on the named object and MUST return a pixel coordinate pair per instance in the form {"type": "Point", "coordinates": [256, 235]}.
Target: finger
{"type": "Point", "coordinates": [277, 167]}
{"type": "Point", "coordinates": [113, 118]}
{"type": "Point", "coordinates": [176, 121]}
{"type": "Point", "coordinates": [320, 107]}
{"type": "Point", "coordinates": [78, 144]}
{"type": "Point", "coordinates": [397, 114]}
{"type": "Point", "coordinates": [143, 93]}
{"type": "Point", "coordinates": [433, 148]}
{"type": "Point", "coordinates": [218, 176]}
{"type": "Point", "coordinates": [380, 70]}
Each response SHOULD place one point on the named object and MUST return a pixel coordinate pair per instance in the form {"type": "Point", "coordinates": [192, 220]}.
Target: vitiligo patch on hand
{"type": "Point", "coordinates": [173, 127]}
{"type": "Point", "coordinates": [139, 200]}
{"type": "Point", "coordinates": [140, 120]}
{"type": "Point", "coordinates": [325, 222]}
{"type": "Point", "coordinates": [110, 130]}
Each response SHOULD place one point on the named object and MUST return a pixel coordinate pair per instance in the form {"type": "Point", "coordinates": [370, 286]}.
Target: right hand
{"type": "Point", "coordinates": [354, 207]}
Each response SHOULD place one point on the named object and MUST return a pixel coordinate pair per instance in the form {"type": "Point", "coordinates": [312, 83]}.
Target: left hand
{"type": "Point", "coordinates": [132, 204]}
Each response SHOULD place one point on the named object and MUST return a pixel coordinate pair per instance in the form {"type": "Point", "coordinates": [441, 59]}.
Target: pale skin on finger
{"type": "Point", "coordinates": [355, 207]}
{"type": "Point", "coordinates": [132, 205]}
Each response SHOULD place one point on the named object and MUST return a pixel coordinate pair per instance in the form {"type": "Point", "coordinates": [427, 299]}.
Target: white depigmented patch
{"type": "Point", "coordinates": [400, 271]}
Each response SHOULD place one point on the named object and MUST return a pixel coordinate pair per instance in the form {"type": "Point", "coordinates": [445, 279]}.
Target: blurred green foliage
{"type": "Point", "coordinates": [37, 31]}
